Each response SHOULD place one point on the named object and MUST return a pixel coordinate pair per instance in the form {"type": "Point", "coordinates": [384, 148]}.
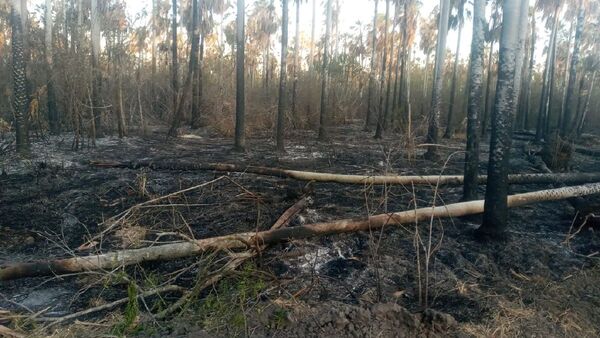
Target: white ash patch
{"type": "Point", "coordinates": [315, 259]}
{"type": "Point", "coordinates": [192, 137]}
{"type": "Point", "coordinates": [299, 152]}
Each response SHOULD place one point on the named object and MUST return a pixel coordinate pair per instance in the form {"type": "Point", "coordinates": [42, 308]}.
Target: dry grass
{"type": "Point", "coordinates": [555, 308]}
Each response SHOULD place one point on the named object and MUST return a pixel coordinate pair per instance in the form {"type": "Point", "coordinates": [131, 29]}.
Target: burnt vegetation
{"type": "Point", "coordinates": [184, 168]}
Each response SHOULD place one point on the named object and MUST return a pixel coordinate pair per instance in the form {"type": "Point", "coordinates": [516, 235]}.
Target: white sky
{"type": "Point", "coordinates": [351, 12]}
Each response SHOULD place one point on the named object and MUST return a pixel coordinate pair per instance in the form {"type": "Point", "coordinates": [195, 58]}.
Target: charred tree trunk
{"type": "Point", "coordinates": [488, 85]}
{"type": "Point", "coordinates": [98, 129]}
{"type": "Point", "coordinates": [196, 33]}
{"type": "Point", "coordinates": [282, 106]}
{"type": "Point", "coordinates": [449, 123]}
{"type": "Point", "coordinates": [325, 117]}
{"type": "Point", "coordinates": [53, 118]}
{"type": "Point", "coordinates": [526, 107]}
{"type": "Point", "coordinates": [496, 208]}
{"type": "Point", "coordinates": [19, 77]}
{"type": "Point", "coordinates": [570, 98]}
{"type": "Point", "coordinates": [174, 64]}
{"type": "Point", "coordinates": [240, 92]}
{"type": "Point", "coordinates": [436, 96]}
{"type": "Point", "coordinates": [371, 94]}
{"type": "Point", "coordinates": [474, 101]}
{"type": "Point", "coordinates": [544, 98]}
{"type": "Point", "coordinates": [296, 63]}
{"type": "Point", "coordinates": [381, 115]}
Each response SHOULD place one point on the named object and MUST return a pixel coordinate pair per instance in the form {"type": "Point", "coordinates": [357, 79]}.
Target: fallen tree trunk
{"type": "Point", "coordinates": [256, 239]}
{"type": "Point", "coordinates": [565, 178]}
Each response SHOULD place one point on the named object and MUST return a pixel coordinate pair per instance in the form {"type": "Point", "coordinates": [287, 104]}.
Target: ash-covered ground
{"type": "Point", "coordinates": [540, 282]}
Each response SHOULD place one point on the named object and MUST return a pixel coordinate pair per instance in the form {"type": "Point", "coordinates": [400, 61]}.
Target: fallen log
{"type": "Point", "coordinates": [564, 178]}
{"type": "Point", "coordinates": [246, 240]}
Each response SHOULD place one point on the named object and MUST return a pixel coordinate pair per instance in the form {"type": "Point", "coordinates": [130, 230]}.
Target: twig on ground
{"type": "Point", "coordinates": [53, 321]}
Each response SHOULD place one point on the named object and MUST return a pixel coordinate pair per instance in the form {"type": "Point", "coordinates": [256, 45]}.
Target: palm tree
{"type": "Point", "coordinates": [174, 64]}
{"type": "Point", "coordinates": [97, 129]}
{"type": "Point", "coordinates": [520, 61]}
{"type": "Point", "coordinates": [311, 57]}
{"type": "Point", "coordinates": [457, 20]}
{"type": "Point", "coordinates": [569, 100]}
{"type": "Point", "coordinates": [53, 120]}
{"type": "Point", "coordinates": [496, 209]}
{"type": "Point", "coordinates": [262, 24]}
{"type": "Point", "coordinates": [427, 37]}
{"type": "Point", "coordinates": [282, 106]}
{"type": "Point", "coordinates": [436, 95]}
{"type": "Point", "coordinates": [195, 70]}
{"type": "Point", "coordinates": [551, 9]}
{"type": "Point", "coordinates": [372, 70]}
{"type": "Point", "coordinates": [296, 60]}
{"type": "Point", "coordinates": [408, 36]}
{"type": "Point", "coordinates": [19, 75]}
{"type": "Point", "coordinates": [240, 93]}
{"type": "Point", "coordinates": [386, 109]}
{"type": "Point", "coordinates": [193, 65]}
{"type": "Point", "coordinates": [525, 107]}
{"type": "Point", "coordinates": [490, 64]}
{"type": "Point", "coordinates": [474, 101]}
{"type": "Point", "coordinates": [381, 116]}
{"type": "Point", "coordinates": [324, 115]}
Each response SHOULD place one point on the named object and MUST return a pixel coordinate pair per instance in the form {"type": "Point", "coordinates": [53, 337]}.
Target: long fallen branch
{"type": "Point", "coordinates": [108, 306]}
{"type": "Point", "coordinates": [565, 178]}
{"type": "Point", "coordinates": [115, 259]}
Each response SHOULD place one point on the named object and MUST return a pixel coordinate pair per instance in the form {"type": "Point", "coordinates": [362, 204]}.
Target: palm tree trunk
{"type": "Point", "coordinates": [324, 115]}
{"type": "Point", "coordinates": [19, 78]}
{"type": "Point", "coordinates": [371, 94]}
{"type": "Point", "coordinates": [381, 116]}
{"type": "Point", "coordinates": [436, 95]}
{"type": "Point", "coordinates": [543, 109]}
{"type": "Point", "coordinates": [474, 101]}
{"type": "Point", "coordinates": [311, 57]}
{"type": "Point", "coordinates": [488, 85]}
{"type": "Point", "coordinates": [97, 75]}
{"type": "Point", "coordinates": [296, 63]}
{"type": "Point", "coordinates": [551, 88]}
{"type": "Point", "coordinates": [174, 63]}
{"type": "Point", "coordinates": [449, 127]}
{"type": "Point", "coordinates": [570, 97]}
{"type": "Point", "coordinates": [53, 120]}
{"type": "Point", "coordinates": [396, 92]}
{"type": "Point", "coordinates": [530, 70]}
{"type": "Point", "coordinates": [565, 82]}
{"type": "Point", "coordinates": [520, 61]}
{"type": "Point", "coordinates": [240, 96]}
{"type": "Point", "coordinates": [153, 48]}
{"type": "Point", "coordinates": [587, 106]}
{"type": "Point", "coordinates": [282, 106]}
{"type": "Point", "coordinates": [387, 115]}
{"type": "Point", "coordinates": [193, 64]}
{"type": "Point", "coordinates": [496, 207]}
{"type": "Point", "coordinates": [426, 79]}
{"type": "Point", "coordinates": [195, 69]}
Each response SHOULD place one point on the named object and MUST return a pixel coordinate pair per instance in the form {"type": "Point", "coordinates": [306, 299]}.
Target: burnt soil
{"type": "Point", "coordinates": [534, 283]}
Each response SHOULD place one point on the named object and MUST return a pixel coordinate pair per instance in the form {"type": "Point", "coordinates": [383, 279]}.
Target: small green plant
{"type": "Point", "coordinates": [225, 306]}
{"type": "Point", "coordinates": [278, 318]}
{"type": "Point", "coordinates": [131, 314]}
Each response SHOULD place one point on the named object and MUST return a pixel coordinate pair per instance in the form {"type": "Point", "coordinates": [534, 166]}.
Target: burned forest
{"type": "Point", "coordinates": [299, 168]}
